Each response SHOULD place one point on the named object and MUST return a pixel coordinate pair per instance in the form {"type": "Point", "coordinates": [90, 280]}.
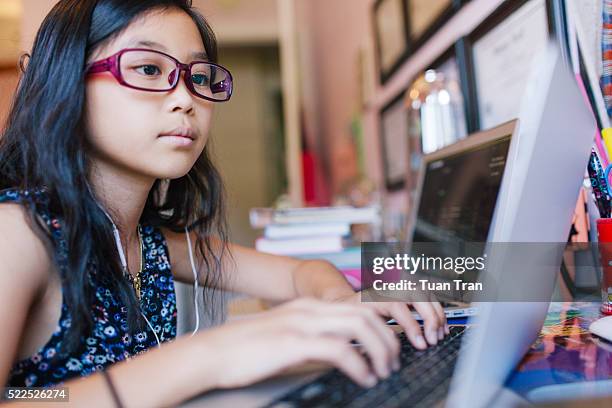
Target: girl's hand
{"type": "Point", "coordinates": [303, 330]}
{"type": "Point", "coordinates": [434, 319]}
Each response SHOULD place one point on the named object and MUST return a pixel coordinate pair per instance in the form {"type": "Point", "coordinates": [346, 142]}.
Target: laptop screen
{"type": "Point", "coordinates": [459, 194]}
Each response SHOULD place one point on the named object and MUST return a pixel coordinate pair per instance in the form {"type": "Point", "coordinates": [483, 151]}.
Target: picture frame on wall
{"type": "Point", "coordinates": [391, 36]}
{"type": "Point", "coordinates": [394, 142]}
{"type": "Point", "coordinates": [401, 27]}
{"type": "Point", "coordinates": [499, 58]}
{"type": "Point", "coordinates": [425, 17]}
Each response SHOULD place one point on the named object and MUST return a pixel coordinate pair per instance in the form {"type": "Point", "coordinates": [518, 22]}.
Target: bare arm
{"type": "Point", "coordinates": [241, 353]}
{"type": "Point", "coordinates": [158, 378]}
{"type": "Point", "coordinates": [282, 278]}
{"type": "Point", "coordinates": [144, 380]}
{"type": "Point", "coordinates": [263, 275]}
{"type": "Point", "coordinates": [23, 272]}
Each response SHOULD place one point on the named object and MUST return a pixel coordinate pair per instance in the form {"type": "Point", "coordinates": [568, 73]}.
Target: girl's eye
{"type": "Point", "coordinates": [199, 79]}
{"type": "Point", "coordinates": [148, 70]}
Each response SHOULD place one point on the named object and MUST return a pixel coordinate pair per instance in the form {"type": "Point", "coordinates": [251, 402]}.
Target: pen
{"type": "Point", "coordinates": [599, 185]}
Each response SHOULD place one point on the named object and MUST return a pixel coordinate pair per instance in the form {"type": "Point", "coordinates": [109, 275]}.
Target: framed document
{"type": "Point", "coordinates": [503, 49]}
{"type": "Point", "coordinates": [425, 17]}
{"type": "Point", "coordinates": [394, 135]}
{"type": "Point", "coordinates": [390, 24]}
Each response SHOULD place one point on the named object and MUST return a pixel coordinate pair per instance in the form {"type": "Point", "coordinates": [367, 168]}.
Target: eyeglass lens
{"type": "Point", "coordinates": [157, 72]}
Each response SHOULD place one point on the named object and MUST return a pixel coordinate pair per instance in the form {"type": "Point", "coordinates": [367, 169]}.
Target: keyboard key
{"type": "Point", "coordinates": [423, 380]}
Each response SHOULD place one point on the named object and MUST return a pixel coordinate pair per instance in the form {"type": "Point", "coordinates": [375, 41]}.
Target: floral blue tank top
{"type": "Point", "coordinates": [109, 340]}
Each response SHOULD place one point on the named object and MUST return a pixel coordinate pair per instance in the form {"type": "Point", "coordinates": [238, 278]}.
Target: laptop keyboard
{"type": "Point", "coordinates": [423, 379]}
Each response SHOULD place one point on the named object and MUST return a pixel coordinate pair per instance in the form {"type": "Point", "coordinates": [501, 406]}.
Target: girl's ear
{"type": "Point", "coordinates": [23, 64]}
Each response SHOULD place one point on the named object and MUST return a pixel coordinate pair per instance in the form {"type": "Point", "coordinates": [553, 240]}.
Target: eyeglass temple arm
{"type": "Point", "coordinates": [99, 66]}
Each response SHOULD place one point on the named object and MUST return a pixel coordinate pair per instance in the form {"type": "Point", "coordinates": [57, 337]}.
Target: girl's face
{"type": "Point", "coordinates": [125, 125]}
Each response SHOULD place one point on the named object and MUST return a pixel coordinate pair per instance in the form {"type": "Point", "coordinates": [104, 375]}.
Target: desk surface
{"type": "Point", "coordinates": [565, 361]}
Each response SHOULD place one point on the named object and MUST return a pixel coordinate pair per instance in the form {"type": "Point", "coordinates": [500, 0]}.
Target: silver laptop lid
{"type": "Point", "coordinates": [459, 186]}
{"type": "Point", "coordinates": [552, 150]}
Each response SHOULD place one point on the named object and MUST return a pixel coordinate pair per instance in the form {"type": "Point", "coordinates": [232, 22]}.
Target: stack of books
{"type": "Point", "coordinates": [315, 233]}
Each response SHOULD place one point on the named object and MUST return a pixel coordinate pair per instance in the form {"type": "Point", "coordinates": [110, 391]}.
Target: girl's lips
{"type": "Point", "coordinates": [181, 131]}
{"type": "Point", "coordinates": [177, 140]}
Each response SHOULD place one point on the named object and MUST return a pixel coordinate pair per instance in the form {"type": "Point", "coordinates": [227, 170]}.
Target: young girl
{"type": "Point", "coordinates": [108, 195]}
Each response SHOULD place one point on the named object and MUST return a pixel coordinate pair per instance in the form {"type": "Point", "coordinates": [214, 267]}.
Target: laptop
{"type": "Point", "coordinates": [456, 195]}
{"type": "Point", "coordinates": [543, 175]}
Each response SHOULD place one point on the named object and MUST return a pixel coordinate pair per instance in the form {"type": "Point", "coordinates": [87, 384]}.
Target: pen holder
{"type": "Point", "coordinates": [604, 236]}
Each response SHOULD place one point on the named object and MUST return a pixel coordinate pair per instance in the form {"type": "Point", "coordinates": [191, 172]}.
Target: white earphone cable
{"type": "Point", "coordinates": [124, 262]}
{"type": "Point", "coordinates": [152, 329]}
{"type": "Point", "coordinates": [119, 244]}
{"type": "Point", "coordinates": [195, 284]}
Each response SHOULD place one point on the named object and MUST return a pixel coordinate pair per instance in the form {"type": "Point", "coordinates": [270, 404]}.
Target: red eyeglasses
{"type": "Point", "coordinates": [155, 71]}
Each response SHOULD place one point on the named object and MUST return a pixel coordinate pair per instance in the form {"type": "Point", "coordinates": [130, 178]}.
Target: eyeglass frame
{"type": "Point", "coordinates": [112, 64]}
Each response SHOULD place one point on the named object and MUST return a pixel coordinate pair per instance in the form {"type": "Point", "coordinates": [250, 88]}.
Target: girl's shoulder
{"type": "Point", "coordinates": [23, 251]}
{"type": "Point", "coordinates": [36, 199]}
{"type": "Point", "coordinates": [15, 215]}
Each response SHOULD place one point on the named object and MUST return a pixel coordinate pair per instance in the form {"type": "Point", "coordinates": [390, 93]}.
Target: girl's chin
{"type": "Point", "coordinates": [172, 173]}
{"type": "Point", "coordinates": [170, 166]}
{"type": "Point", "coordinates": [154, 166]}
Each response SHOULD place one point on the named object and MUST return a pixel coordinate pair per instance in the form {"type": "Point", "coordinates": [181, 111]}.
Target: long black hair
{"type": "Point", "coordinates": [44, 145]}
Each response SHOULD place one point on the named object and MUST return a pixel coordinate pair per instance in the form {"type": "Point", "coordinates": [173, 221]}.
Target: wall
{"type": "Point", "coordinates": [249, 151]}
{"type": "Point", "coordinates": [335, 32]}
{"type": "Point", "coordinates": [242, 22]}
{"type": "Point", "coordinates": [332, 33]}
{"type": "Point", "coordinates": [10, 21]}
{"type": "Point", "coordinates": [8, 83]}
{"type": "Point", "coordinates": [34, 13]}
{"type": "Point", "coordinates": [234, 21]}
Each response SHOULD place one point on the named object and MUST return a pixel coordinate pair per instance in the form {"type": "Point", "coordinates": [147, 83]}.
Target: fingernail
{"type": "Point", "coordinates": [432, 337]}
{"type": "Point", "coordinates": [396, 365]}
{"type": "Point", "coordinates": [386, 372]}
{"type": "Point", "coordinates": [440, 333]}
{"type": "Point", "coordinates": [446, 329]}
{"type": "Point", "coordinates": [371, 381]}
{"type": "Point", "coordinates": [420, 342]}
